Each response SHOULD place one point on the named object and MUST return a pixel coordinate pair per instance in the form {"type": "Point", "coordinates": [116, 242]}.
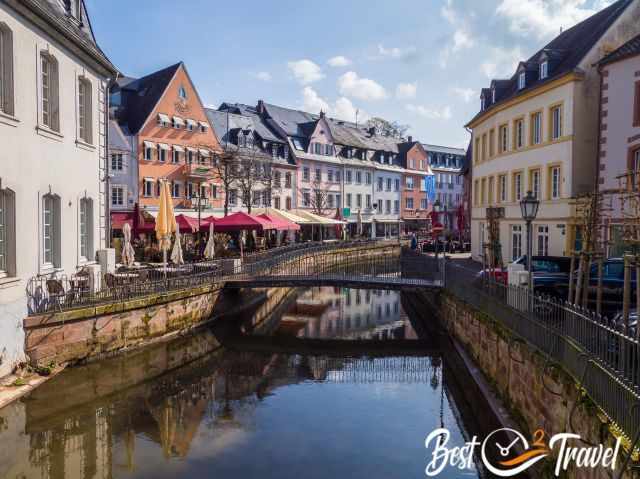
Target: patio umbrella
{"type": "Point", "coordinates": [176, 254]}
{"type": "Point", "coordinates": [165, 222]}
{"type": "Point", "coordinates": [128, 254]}
{"type": "Point", "coordinates": [210, 248]}
{"type": "Point", "coordinates": [359, 219]}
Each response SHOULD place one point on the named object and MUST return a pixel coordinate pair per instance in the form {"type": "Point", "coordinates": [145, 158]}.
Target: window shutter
{"type": "Point", "coordinates": [54, 96]}
{"type": "Point", "coordinates": [636, 106]}
{"type": "Point", "coordinates": [7, 70]}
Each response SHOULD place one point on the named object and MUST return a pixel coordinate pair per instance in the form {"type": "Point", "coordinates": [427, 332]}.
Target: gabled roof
{"type": "Point", "coordinates": [261, 128]}
{"type": "Point", "coordinates": [224, 123]}
{"type": "Point", "coordinates": [566, 51]}
{"type": "Point", "coordinates": [289, 120]}
{"type": "Point", "coordinates": [117, 139]}
{"type": "Point", "coordinates": [143, 95]}
{"type": "Point", "coordinates": [629, 49]}
{"type": "Point", "coordinates": [78, 33]}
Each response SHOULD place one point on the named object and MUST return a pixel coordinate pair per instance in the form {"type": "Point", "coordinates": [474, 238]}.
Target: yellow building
{"type": "Point", "coordinates": [538, 131]}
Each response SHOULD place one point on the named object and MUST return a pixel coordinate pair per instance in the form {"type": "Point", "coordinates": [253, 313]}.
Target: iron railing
{"type": "Point", "coordinates": [604, 360]}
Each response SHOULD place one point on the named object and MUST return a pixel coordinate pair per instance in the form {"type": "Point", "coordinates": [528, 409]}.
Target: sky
{"type": "Point", "coordinates": [421, 63]}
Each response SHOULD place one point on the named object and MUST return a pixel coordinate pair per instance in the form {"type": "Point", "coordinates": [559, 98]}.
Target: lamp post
{"type": "Point", "coordinates": [437, 209]}
{"type": "Point", "coordinates": [529, 209]}
{"type": "Point", "coordinates": [199, 199]}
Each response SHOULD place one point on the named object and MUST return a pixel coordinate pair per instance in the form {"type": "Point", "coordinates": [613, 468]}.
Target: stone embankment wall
{"type": "Point", "coordinates": [86, 333]}
{"type": "Point", "coordinates": [537, 393]}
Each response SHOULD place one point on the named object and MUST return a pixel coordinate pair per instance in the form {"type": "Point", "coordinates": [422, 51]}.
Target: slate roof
{"type": "Point", "coordinates": [629, 49]}
{"type": "Point", "coordinates": [140, 96]}
{"type": "Point", "coordinates": [289, 120]}
{"type": "Point", "coordinates": [117, 138]}
{"type": "Point", "coordinates": [263, 130]}
{"type": "Point", "coordinates": [565, 52]}
{"type": "Point", "coordinates": [54, 13]}
{"type": "Point", "coordinates": [226, 123]}
{"type": "Point", "coordinates": [443, 149]}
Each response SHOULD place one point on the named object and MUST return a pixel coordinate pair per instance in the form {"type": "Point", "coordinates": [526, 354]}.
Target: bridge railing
{"type": "Point", "coordinates": [600, 357]}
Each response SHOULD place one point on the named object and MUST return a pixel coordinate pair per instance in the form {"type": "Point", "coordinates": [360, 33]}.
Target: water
{"type": "Point", "coordinates": [281, 392]}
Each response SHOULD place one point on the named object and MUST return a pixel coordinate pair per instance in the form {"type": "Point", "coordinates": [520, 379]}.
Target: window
{"type": "Point", "coordinates": [522, 80]}
{"type": "Point", "coordinates": [543, 240]}
{"type": "Point", "coordinates": [358, 177]}
{"type": "Point", "coordinates": [493, 95]}
{"type": "Point", "coordinates": [348, 200]}
{"type": "Point", "coordinates": [175, 189]}
{"type": "Point", "coordinates": [6, 70]}
{"type": "Point", "coordinates": [409, 182]}
{"type": "Point", "coordinates": [482, 103]}
{"type": "Point", "coordinates": [318, 174]}
{"type": "Point", "coordinates": [337, 176]}
{"type": "Point", "coordinates": [348, 176]}
{"type": "Point", "coordinates": [182, 93]}
{"type": "Point", "coordinates": [476, 156]}
{"type": "Point", "coordinates": [367, 178]}
{"type": "Point", "coordinates": [389, 184]}
{"type": "Point", "coordinates": [544, 70]}
{"type": "Point", "coordinates": [484, 147]}
{"type": "Point", "coordinates": [368, 201]}
{"type": "Point", "coordinates": [423, 204]}
{"type": "Point", "coordinates": [380, 206]}
{"type": "Point", "coordinates": [84, 111]}
{"type": "Point", "coordinates": [233, 197]}
{"type": "Point", "coordinates": [516, 242]}
{"type": "Point", "coordinates": [147, 187]}
{"type": "Point", "coordinates": [328, 150]}
{"type": "Point", "coordinates": [409, 203]}
{"type": "Point", "coordinates": [491, 197]}
{"type": "Point", "coordinates": [388, 207]}
{"type": "Point", "coordinates": [536, 128]}
{"type": "Point", "coordinates": [338, 201]}
{"type": "Point", "coordinates": [555, 182]}
{"type": "Point", "coordinates": [305, 174]}
{"type": "Point", "coordinates": [359, 200]}
{"type": "Point", "coordinates": [556, 122]}
{"type": "Point", "coordinates": [116, 162]}
{"type": "Point", "coordinates": [317, 148]}
{"type": "Point", "coordinates": [380, 184]}
{"type": "Point", "coordinates": [519, 133]}
{"type": "Point", "coordinates": [382, 157]}
{"type": "Point", "coordinates": [396, 184]}
{"type": "Point", "coordinates": [330, 201]}
{"type": "Point", "coordinates": [162, 154]}
{"type": "Point", "coordinates": [492, 142]}
{"type": "Point", "coordinates": [396, 206]}
{"type": "Point", "coordinates": [86, 229]}
{"type": "Point", "coordinates": [411, 163]}
{"type": "Point", "coordinates": [503, 145]}
{"type": "Point", "coordinates": [175, 158]}
{"type": "Point", "coordinates": [476, 193]}
{"type": "Point", "coordinates": [277, 177]}
{"type": "Point", "coordinates": [117, 195]}
{"type": "Point", "coordinates": [503, 188]}
{"type": "Point", "coordinates": [49, 92]}
{"type": "Point", "coordinates": [7, 233]}
{"type": "Point", "coordinates": [51, 231]}
{"type": "Point", "coordinates": [287, 180]}
{"type": "Point", "coordinates": [288, 203]}
{"type": "Point", "coordinates": [517, 186]}
{"type": "Point", "coordinates": [306, 199]}
{"type": "Point", "coordinates": [483, 191]}
{"type": "Point", "coordinates": [534, 183]}
{"type": "Point", "coordinates": [276, 202]}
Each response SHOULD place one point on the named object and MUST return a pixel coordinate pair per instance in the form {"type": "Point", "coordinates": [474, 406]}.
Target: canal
{"type": "Point", "coordinates": [317, 383]}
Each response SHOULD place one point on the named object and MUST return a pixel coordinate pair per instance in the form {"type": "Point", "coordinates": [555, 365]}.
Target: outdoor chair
{"type": "Point", "coordinates": [55, 289]}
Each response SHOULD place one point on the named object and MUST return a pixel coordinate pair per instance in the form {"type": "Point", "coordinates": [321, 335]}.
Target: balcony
{"type": "Point", "coordinates": [199, 171]}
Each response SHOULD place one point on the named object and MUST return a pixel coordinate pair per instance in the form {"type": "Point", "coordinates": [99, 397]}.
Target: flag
{"type": "Point", "coordinates": [430, 188]}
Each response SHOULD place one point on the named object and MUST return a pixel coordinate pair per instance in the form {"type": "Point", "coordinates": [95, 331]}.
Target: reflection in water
{"type": "Point", "coordinates": [196, 409]}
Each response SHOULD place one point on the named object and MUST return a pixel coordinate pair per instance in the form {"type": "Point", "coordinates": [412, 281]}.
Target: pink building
{"type": "Point", "coordinates": [619, 135]}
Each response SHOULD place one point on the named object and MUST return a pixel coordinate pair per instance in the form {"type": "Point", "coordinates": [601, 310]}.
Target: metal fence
{"type": "Point", "coordinates": [50, 294]}
{"type": "Point", "coordinates": [604, 360]}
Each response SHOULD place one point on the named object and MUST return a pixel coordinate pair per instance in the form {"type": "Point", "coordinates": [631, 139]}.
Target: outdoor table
{"type": "Point", "coordinates": [125, 277]}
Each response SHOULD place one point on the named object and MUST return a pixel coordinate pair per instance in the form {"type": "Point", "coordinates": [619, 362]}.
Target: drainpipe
{"type": "Point", "coordinates": [107, 195]}
{"type": "Point", "coordinates": [599, 142]}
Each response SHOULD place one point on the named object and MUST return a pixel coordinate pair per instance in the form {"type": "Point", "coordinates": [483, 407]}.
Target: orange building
{"type": "Point", "coordinates": [414, 207]}
{"type": "Point", "coordinates": [165, 119]}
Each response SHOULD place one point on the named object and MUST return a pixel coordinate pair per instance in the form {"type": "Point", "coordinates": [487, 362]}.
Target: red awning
{"type": "Point", "coordinates": [280, 223]}
{"type": "Point", "coordinates": [242, 221]}
{"type": "Point", "coordinates": [118, 219]}
{"type": "Point", "coordinates": [187, 224]}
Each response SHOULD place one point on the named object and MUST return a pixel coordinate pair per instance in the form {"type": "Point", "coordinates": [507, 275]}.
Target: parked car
{"type": "Point", "coordinates": [612, 286]}
{"type": "Point", "coordinates": [618, 322]}
{"type": "Point", "coordinates": [548, 271]}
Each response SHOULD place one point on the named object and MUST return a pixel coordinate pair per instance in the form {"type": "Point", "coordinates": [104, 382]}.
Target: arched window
{"type": "Point", "coordinates": [7, 233]}
{"type": "Point", "coordinates": [86, 229]}
{"type": "Point", "coordinates": [50, 109]}
{"type": "Point", "coordinates": [51, 231]}
{"type": "Point", "coordinates": [85, 110]}
{"type": "Point", "coordinates": [6, 70]}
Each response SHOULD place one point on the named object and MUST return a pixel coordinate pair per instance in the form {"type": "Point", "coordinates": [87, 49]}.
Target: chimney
{"type": "Point", "coordinates": [260, 107]}
{"type": "Point", "coordinates": [372, 131]}
{"type": "Point", "coordinates": [410, 139]}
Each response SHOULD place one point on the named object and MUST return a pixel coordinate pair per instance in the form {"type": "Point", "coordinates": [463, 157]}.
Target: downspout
{"type": "Point", "coordinates": [107, 196]}
{"type": "Point", "coordinates": [599, 142]}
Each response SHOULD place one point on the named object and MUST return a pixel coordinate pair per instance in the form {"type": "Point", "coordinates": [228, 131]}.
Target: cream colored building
{"type": "Point", "coordinates": [538, 131]}
{"type": "Point", "coordinates": [52, 162]}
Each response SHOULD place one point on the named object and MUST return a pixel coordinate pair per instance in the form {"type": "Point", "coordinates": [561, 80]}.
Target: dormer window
{"type": "Point", "coordinates": [522, 80]}
{"type": "Point", "coordinates": [544, 70]}
{"type": "Point", "coordinates": [182, 93]}
{"type": "Point", "coordinates": [493, 95]}
{"type": "Point", "coordinates": [482, 103]}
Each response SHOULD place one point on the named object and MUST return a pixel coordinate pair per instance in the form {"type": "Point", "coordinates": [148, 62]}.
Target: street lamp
{"type": "Point", "coordinates": [529, 209]}
{"type": "Point", "coordinates": [437, 209]}
{"type": "Point", "coordinates": [199, 200]}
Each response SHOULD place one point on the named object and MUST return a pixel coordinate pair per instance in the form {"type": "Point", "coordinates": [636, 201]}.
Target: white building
{"type": "Point", "coordinates": [52, 165]}
{"type": "Point", "coordinates": [387, 180]}
{"type": "Point", "coordinates": [538, 131]}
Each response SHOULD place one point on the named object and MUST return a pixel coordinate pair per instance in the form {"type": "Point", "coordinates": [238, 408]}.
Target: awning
{"type": "Point", "coordinates": [317, 219]}
{"type": "Point", "coordinates": [118, 220]}
{"type": "Point", "coordinates": [191, 122]}
{"type": "Point", "coordinates": [178, 121]}
{"type": "Point", "coordinates": [149, 178]}
{"type": "Point", "coordinates": [280, 223]}
{"type": "Point", "coordinates": [389, 221]}
{"type": "Point", "coordinates": [284, 214]}
{"type": "Point", "coordinates": [205, 153]}
{"type": "Point", "coordinates": [242, 221]}
{"type": "Point", "coordinates": [187, 224]}
{"type": "Point", "coordinates": [163, 146]}
{"type": "Point", "coordinates": [149, 144]}
{"type": "Point", "coordinates": [178, 148]}
{"type": "Point", "coordinates": [203, 124]}
{"type": "Point", "coordinates": [164, 118]}
{"type": "Point", "coordinates": [192, 150]}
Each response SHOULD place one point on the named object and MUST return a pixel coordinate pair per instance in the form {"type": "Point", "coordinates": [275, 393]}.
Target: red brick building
{"type": "Point", "coordinates": [414, 208]}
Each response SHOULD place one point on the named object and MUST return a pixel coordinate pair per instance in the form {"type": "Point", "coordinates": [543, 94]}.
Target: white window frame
{"type": "Point", "coordinates": [556, 122]}
{"type": "Point", "coordinates": [522, 80]}
{"type": "Point", "coordinates": [50, 231]}
{"type": "Point", "coordinates": [516, 242]}
{"type": "Point", "coordinates": [535, 183]}
{"type": "Point", "coordinates": [555, 182]}
{"type": "Point", "coordinates": [122, 190]}
{"type": "Point", "coordinates": [116, 162]}
{"type": "Point", "coordinates": [85, 110]}
{"type": "Point", "coordinates": [6, 70]}
{"type": "Point", "coordinates": [518, 186]}
{"type": "Point", "coordinates": [544, 70]}
{"type": "Point", "coordinates": [536, 125]}
{"type": "Point", "coordinates": [49, 92]}
{"type": "Point", "coordinates": [542, 240]}
{"type": "Point", "coordinates": [85, 229]}
{"type": "Point", "coordinates": [148, 187]}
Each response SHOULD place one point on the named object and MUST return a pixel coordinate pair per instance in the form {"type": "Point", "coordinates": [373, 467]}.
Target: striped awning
{"type": "Point", "coordinates": [178, 148]}
{"type": "Point", "coordinates": [164, 118]}
{"type": "Point", "coordinates": [178, 121]}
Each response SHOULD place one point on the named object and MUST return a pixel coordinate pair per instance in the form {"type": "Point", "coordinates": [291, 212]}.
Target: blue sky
{"type": "Point", "coordinates": [419, 62]}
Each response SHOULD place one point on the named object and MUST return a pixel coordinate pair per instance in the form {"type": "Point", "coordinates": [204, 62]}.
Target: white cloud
{"type": "Point", "coordinates": [461, 40]}
{"type": "Point", "coordinates": [305, 71]}
{"type": "Point", "coordinates": [502, 62]}
{"type": "Point", "coordinates": [312, 102]}
{"type": "Point", "coordinates": [462, 37]}
{"type": "Point", "coordinates": [264, 76]}
{"type": "Point", "coordinates": [430, 113]}
{"type": "Point", "coordinates": [342, 109]}
{"type": "Point", "coordinates": [406, 90]}
{"type": "Point", "coordinates": [350, 84]}
{"type": "Point", "coordinates": [339, 61]}
{"type": "Point", "coordinates": [545, 18]}
{"type": "Point", "coordinates": [448, 13]}
{"type": "Point", "coordinates": [396, 52]}
{"type": "Point", "coordinates": [466, 94]}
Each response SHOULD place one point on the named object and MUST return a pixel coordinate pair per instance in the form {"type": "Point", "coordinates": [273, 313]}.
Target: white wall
{"type": "Point", "coordinates": [34, 163]}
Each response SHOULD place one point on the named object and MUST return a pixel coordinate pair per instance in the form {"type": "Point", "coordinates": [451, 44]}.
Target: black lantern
{"type": "Point", "coordinates": [529, 207]}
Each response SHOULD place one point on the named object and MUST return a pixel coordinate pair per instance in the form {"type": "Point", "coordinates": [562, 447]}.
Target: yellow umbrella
{"type": "Point", "coordinates": [166, 221]}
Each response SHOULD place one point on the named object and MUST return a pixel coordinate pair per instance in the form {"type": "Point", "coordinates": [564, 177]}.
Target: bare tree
{"type": "Point", "coordinates": [225, 168]}
{"type": "Point", "coordinates": [250, 175]}
{"type": "Point", "coordinates": [387, 128]}
{"type": "Point", "coordinates": [271, 180]}
{"type": "Point", "coordinates": [319, 198]}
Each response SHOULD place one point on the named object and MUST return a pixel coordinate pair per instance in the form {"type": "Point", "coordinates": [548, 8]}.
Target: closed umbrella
{"type": "Point", "coordinates": [176, 254]}
{"type": "Point", "coordinates": [165, 222]}
{"type": "Point", "coordinates": [210, 248]}
{"type": "Point", "coordinates": [128, 253]}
